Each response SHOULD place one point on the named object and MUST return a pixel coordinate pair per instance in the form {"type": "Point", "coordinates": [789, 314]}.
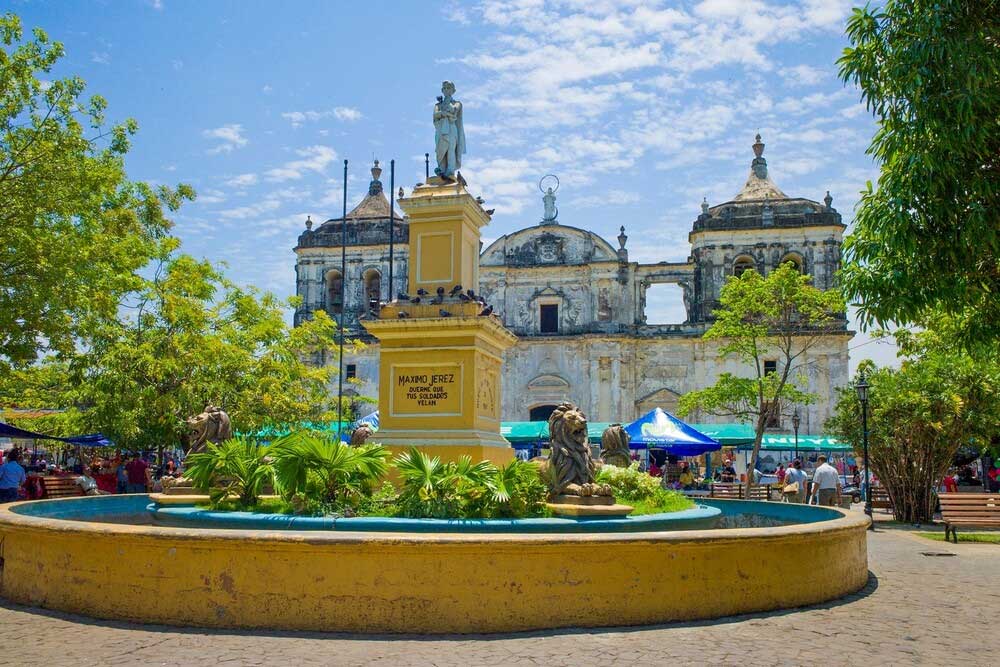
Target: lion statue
{"type": "Point", "coordinates": [361, 434]}
{"type": "Point", "coordinates": [614, 446]}
{"type": "Point", "coordinates": [571, 467]}
{"type": "Point", "coordinates": [212, 425]}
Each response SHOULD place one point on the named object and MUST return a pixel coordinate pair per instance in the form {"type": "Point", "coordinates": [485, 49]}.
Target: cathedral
{"type": "Point", "coordinates": [578, 304]}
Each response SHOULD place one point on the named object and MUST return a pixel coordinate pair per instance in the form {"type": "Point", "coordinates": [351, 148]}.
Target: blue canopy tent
{"type": "Point", "coordinates": [662, 430]}
{"type": "Point", "coordinates": [89, 440]}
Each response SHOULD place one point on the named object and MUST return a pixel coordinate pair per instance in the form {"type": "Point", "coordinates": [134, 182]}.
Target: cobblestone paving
{"type": "Point", "coordinates": [917, 609]}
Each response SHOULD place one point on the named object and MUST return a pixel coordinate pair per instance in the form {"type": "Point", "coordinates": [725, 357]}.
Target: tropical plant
{"type": "Point", "coordinates": [236, 467]}
{"type": "Point", "coordinates": [782, 317]}
{"type": "Point", "coordinates": [515, 490]}
{"type": "Point", "coordinates": [326, 469]}
{"type": "Point", "coordinates": [434, 489]}
{"type": "Point", "coordinates": [75, 232]}
{"type": "Point", "coordinates": [940, 399]}
{"type": "Point", "coordinates": [187, 335]}
{"type": "Point", "coordinates": [927, 235]}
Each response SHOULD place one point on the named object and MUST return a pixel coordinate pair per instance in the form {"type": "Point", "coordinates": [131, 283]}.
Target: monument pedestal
{"type": "Point", "coordinates": [440, 359]}
{"type": "Point", "coordinates": [439, 382]}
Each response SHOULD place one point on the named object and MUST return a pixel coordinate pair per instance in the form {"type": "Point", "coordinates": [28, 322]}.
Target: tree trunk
{"type": "Point", "coordinates": [758, 437]}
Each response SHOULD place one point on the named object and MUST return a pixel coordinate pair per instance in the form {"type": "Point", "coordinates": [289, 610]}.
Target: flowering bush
{"type": "Point", "coordinates": [629, 483]}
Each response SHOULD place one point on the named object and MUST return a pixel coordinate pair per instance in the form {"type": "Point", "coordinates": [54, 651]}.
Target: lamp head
{"type": "Point", "coordinates": [861, 386]}
{"type": "Point", "coordinates": [796, 420]}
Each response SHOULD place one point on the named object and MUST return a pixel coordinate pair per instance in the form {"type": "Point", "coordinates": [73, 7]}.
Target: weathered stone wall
{"type": "Point", "coordinates": [620, 377]}
{"type": "Point", "coordinates": [314, 264]}
{"type": "Point", "coordinates": [715, 252]}
{"type": "Point", "coordinates": [605, 358]}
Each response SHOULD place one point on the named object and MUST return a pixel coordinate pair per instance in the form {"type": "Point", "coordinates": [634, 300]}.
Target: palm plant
{"type": "Point", "coordinates": [325, 469]}
{"type": "Point", "coordinates": [235, 467]}
{"type": "Point", "coordinates": [442, 490]}
{"type": "Point", "coordinates": [515, 490]}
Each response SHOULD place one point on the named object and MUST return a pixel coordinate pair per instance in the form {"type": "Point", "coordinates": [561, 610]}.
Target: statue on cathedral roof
{"type": "Point", "coordinates": [449, 132]}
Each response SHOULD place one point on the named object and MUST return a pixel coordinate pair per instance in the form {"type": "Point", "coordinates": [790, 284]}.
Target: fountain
{"type": "Point", "coordinates": [127, 557]}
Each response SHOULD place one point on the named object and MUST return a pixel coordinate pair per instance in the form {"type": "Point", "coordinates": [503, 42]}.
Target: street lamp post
{"type": "Point", "coordinates": [796, 420]}
{"type": "Point", "coordinates": [861, 386]}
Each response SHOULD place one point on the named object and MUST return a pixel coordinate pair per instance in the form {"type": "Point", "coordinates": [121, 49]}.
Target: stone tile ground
{"type": "Point", "coordinates": [917, 609]}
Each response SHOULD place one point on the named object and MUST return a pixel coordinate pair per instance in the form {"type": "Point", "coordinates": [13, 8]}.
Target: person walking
{"type": "Point", "coordinates": [826, 484]}
{"type": "Point", "coordinates": [12, 477]}
{"type": "Point", "coordinates": [121, 476]}
{"type": "Point", "coordinates": [136, 469]}
{"type": "Point", "coordinates": [794, 490]}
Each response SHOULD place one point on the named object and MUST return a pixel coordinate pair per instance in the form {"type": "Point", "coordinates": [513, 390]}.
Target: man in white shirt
{"type": "Point", "coordinates": [826, 484]}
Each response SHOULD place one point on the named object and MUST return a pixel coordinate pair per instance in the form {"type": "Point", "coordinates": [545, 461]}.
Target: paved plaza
{"type": "Point", "coordinates": [920, 607]}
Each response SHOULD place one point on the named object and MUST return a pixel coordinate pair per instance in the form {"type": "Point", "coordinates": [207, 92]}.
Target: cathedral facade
{"type": "Point", "coordinates": [578, 304]}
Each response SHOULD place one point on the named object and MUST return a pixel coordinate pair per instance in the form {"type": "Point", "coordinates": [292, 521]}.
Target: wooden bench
{"type": "Point", "coordinates": [880, 498]}
{"type": "Point", "coordinates": [61, 487]}
{"type": "Point", "coordinates": [969, 510]}
{"type": "Point", "coordinates": [735, 491]}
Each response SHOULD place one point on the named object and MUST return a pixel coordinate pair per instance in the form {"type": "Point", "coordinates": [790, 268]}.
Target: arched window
{"type": "Point", "coordinates": [334, 292]}
{"type": "Point", "coordinates": [795, 259]}
{"type": "Point", "coordinates": [373, 286]}
{"type": "Point", "coordinates": [743, 263]}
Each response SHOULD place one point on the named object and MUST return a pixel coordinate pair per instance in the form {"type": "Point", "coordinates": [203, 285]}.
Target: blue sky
{"type": "Point", "coordinates": [640, 108]}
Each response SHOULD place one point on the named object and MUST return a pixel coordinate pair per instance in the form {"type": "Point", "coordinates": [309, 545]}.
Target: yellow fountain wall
{"type": "Point", "coordinates": [357, 582]}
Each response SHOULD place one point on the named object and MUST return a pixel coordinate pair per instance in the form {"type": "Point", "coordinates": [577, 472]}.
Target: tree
{"type": "Point", "coordinates": [74, 231]}
{"type": "Point", "coordinates": [928, 236]}
{"type": "Point", "coordinates": [940, 399]}
{"type": "Point", "coordinates": [781, 315]}
{"type": "Point", "coordinates": [188, 337]}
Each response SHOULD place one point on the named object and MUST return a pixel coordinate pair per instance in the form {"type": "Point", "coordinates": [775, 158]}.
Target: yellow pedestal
{"type": "Point", "coordinates": [439, 384]}
{"type": "Point", "coordinates": [444, 221]}
{"type": "Point", "coordinates": [439, 376]}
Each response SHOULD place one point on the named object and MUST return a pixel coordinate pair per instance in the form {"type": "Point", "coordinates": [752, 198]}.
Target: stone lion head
{"type": "Point", "coordinates": [211, 425]}
{"type": "Point", "coordinates": [567, 423]}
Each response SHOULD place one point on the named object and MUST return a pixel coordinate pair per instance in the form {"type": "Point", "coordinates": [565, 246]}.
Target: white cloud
{"type": "Point", "coordinates": [267, 89]}
{"type": "Point", "coordinates": [805, 74]}
{"type": "Point", "coordinates": [230, 136]}
{"type": "Point", "coordinates": [156, 4]}
{"type": "Point", "coordinates": [100, 57]}
{"type": "Point", "coordinates": [504, 182]}
{"type": "Point", "coordinates": [313, 158]}
{"type": "Point", "coordinates": [298, 118]}
{"type": "Point", "coordinates": [242, 181]}
{"type": "Point", "coordinates": [610, 198]}
{"type": "Point", "coordinates": [211, 197]}
{"type": "Point", "coordinates": [347, 114]}
{"type": "Point", "coordinates": [253, 210]}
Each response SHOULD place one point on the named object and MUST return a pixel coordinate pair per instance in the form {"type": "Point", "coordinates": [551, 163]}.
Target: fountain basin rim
{"type": "Point", "coordinates": [843, 520]}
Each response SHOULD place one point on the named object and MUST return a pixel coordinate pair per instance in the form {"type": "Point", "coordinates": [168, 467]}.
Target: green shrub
{"type": "Point", "coordinates": [433, 489]}
{"type": "Point", "coordinates": [236, 467]}
{"type": "Point", "coordinates": [628, 483]}
{"type": "Point", "coordinates": [641, 490]}
{"type": "Point", "coordinates": [513, 491]}
{"type": "Point", "coordinates": [318, 474]}
{"type": "Point", "coordinates": [463, 490]}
